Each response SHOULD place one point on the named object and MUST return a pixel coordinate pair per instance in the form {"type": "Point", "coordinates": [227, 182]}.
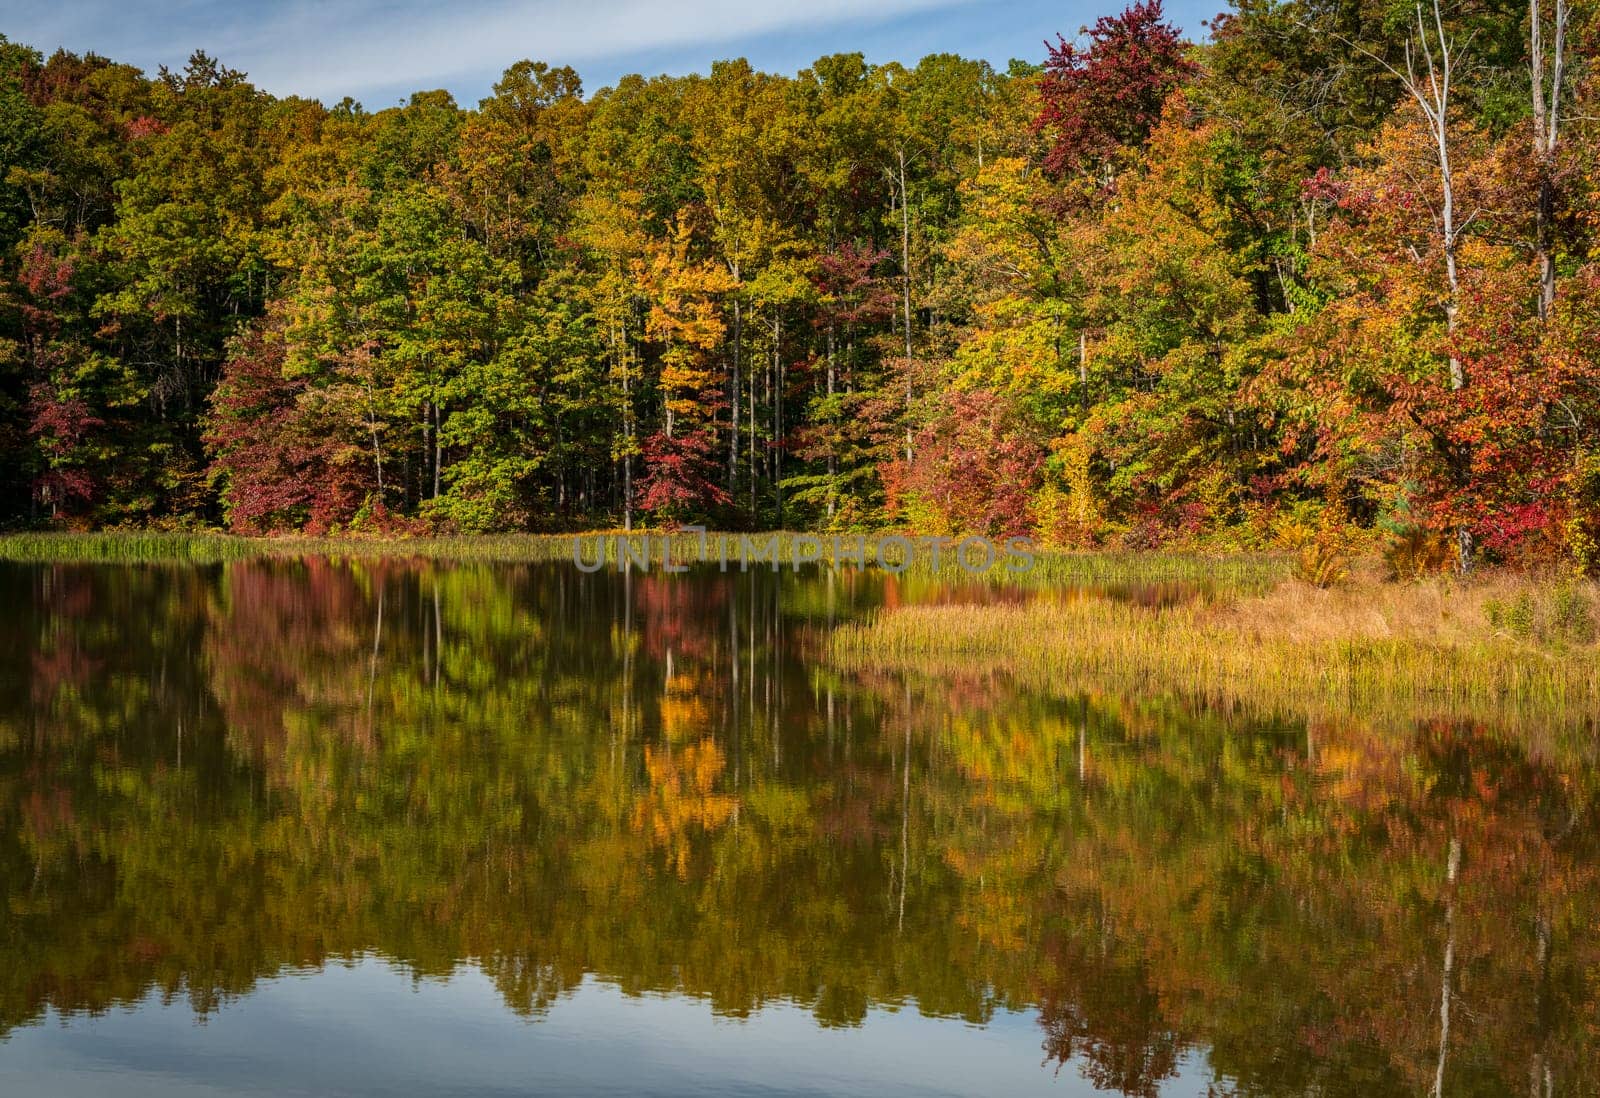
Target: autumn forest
{"type": "Point", "coordinates": [1328, 272]}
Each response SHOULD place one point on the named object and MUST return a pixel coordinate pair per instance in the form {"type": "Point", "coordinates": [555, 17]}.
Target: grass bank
{"type": "Point", "coordinates": [1208, 572]}
{"type": "Point", "coordinates": [1506, 648]}
{"type": "Point", "coordinates": [117, 547]}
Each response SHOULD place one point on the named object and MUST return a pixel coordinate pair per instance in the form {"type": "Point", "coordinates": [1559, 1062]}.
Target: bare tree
{"type": "Point", "coordinates": [1429, 84]}
{"type": "Point", "coordinates": [1431, 57]}
{"type": "Point", "coordinates": [1430, 87]}
{"type": "Point", "coordinates": [1546, 133]}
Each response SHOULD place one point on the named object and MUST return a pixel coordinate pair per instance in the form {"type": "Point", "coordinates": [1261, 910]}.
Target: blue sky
{"type": "Point", "coordinates": [378, 51]}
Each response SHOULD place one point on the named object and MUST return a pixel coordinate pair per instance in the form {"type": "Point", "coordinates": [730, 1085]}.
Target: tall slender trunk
{"type": "Point", "coordinates": [372, 664]}
{"type": "Point", "coordinates": [777, 412]}
{"type": "Point", "coordinates": [905, 816]}
{"type": "Point", "coordinates": [905, 285]}
{"type": "Point", "coordinates": [738, 341]}
{"type": "Point", "coordinates": [438, 450]}
{"type": "Point", "coordinates": [1546, 134]}
{"type": "Point", "coordinates": [377, 450]}
{"type": "Point", "coordinates": [627, 431]}
{"type": "Point", "coordinates": [1541, 1081]}
{"type": "Point", "coordinates": [1431, 90]}
{"type": "Point", "coordinates": [438, 635]}
{"type": "Point", "coordinates": [1452, 306]}
{"type": "Point", "coordinates": [771, 383]}
{"type": "Point", "coordinates": [1083, 366]}
{"type": "Point", "coordinates": [427, 454]}
{"type": "Point", "coordinates": [1449, 964]}
{"type": "Point", "coordinates": [833, 459]}
{"type": "Point", "coordinates": [754, 517]}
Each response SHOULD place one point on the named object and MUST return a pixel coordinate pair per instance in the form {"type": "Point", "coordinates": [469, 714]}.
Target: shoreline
{"type": "Point", "coordinates": [1222, 570]}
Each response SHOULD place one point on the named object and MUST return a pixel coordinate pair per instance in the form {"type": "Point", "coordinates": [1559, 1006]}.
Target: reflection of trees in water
{"type": "Point", "coordinates": [208, 774]}
{"type": "Point", "coordinates": [1099, 1009]}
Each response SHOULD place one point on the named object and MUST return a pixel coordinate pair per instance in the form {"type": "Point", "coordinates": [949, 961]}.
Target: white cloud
{"type": "Point", "coordinates": [330, 50]}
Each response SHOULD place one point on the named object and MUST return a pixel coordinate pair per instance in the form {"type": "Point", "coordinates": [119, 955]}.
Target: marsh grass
{"type": "Point", "coordinates": [1211, 574]}
{"type": "Point", "coordinates": [1217, 573]}
{"type": "Point", "coordinates": [1510, 649]}
{"type": "Point", "coordinates": [204, 548]}
{"type": "Point", "coordinates": [124, 548]}
{"type": "Point", "coordinates": [179, 548]}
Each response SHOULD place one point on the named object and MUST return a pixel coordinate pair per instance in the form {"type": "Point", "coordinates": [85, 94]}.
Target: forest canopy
{"type": "Point", "coordinates": [1329, 270]}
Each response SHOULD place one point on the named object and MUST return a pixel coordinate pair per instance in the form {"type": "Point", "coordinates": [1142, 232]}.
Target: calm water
{"type": "Point", "coordinates": [320, 827]}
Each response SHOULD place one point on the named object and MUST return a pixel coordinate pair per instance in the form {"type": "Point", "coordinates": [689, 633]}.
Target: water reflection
{"type": "Point", "coordinates": [649, 783]}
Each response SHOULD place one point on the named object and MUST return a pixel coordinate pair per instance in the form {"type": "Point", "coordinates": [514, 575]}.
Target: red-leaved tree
{"type": "Point", "coordinates": [681, 475]}
{"type": "Point", "coordinates": [1109, 95]}
{"type": "Point", "coordinates": [280, 462]}
{"type": "Point", "coordinates": [978, 462]}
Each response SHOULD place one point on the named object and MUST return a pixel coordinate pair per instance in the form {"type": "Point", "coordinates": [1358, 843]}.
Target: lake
{"type": "Point", "coordinates": [372, 827]}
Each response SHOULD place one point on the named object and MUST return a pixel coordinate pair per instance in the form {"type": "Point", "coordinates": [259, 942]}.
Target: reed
{"type": "Point", "coordinates": [117, 547]}
{"type": "Point", "coordinates": [1508, 649]}
{"type": "Point", "coordinates": [1214, 573]}
{"type": "Point", "coordinates": [1210, 574]}
{"type": "Point", "coordinates": [124, 548]}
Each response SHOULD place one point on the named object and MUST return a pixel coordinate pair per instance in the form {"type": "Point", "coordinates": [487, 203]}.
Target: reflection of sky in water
{"type": "Point", "coordinates": [371, 1029]}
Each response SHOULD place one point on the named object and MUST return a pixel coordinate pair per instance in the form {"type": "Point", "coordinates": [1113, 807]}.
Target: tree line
{"type": "Point", "coordinates": [1327, 271]}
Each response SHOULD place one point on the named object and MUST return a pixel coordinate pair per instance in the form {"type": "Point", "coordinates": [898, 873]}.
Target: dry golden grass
{"type": "Point", "coordinates": [1502, 648]}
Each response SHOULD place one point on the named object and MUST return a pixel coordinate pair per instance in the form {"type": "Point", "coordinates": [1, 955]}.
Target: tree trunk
{"type": "Point", "coordinates": [1449, 964]}
{"type": "Point", "coordinates": [905, 282]}
{"type": "Point", "coordinates": [777, 412]}
{"type": "Point", "coordinates": [1431, 90]}
{"type": "Point", "coordinates": [754, 519]}
{"type": "Point", "coordinates": [1546, 134]}
{"type": "Point", "coordinates": [738, 340]}
{"type": "Point", "coordinates": [905, 817]}
{"type": "Point", "coordinates": [627, 432]}
{"type": "Point", "coordinates": [1083, 367]}
{"type": "Point", "coordinates": [377, 451]}
{"type": "Point", "coordinates": [833, 459]}
{"type": "Point", "coordinates": [1541, 1083]}
{"type": "Point", "coordinates": [438, 451]}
